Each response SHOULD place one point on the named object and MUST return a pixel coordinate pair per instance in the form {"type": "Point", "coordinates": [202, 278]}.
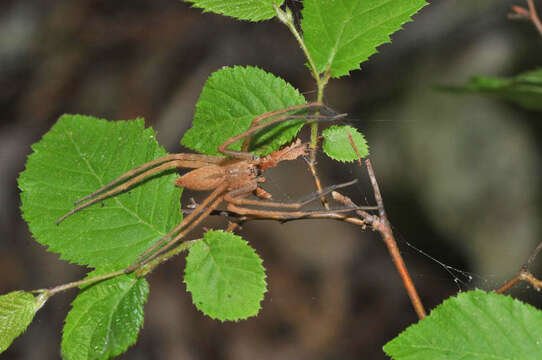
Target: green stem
{"type": "Point", "coordinates": [287, 19]}
{"type": "Point", "coordinates": [144, 270]}
{"type": "Point", "coordinates": [321, 82]}
{"type": "Point", "coordinates": [140, 271]}
{"type": "Point", "coordinates": [52, 291]}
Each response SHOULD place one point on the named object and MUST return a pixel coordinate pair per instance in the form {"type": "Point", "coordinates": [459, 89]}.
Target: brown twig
{"type": "Point", "coordinates": [524, 274]}
{"type": "Point", "coordinates": [530, 14]}
{"type": "Point", "coordinates": [311, 164]}
{"type": "Point", "coordinates": [382, 225]}
{"type": "Point", "coordinates": [534, 16]}
{"type": "Point", "coordinates": [232, 226]}
{"type": "Point", "coordinates": [533, 255]}
{"type": "Point", "coordinates": [531, 279]}
{"type": "Point", "coordinates": [355, 148]}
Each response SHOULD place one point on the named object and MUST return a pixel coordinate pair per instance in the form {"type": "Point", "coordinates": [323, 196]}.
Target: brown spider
{"type": "Point", "coordinates": [231, 179]}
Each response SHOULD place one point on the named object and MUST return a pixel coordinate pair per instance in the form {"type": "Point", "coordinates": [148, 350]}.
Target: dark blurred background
{"type": "Point", "coordinates": [458, 173]}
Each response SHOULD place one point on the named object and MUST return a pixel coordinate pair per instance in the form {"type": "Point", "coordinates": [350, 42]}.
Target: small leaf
{"type": "Point", "coordinates": [105, 319]}
{"type": "Point", "coordinates": [524, 89]}
{"type": "Point", "coordinates": [17, 309]}
{"type": "Point", "coordinates": [225, 276]}
{"type": "Point", "coordinates": [231, 98]}
{"type": "Point", "coordinates": [341, 34]}
{"type": "Point", "coordinates": [253, 10]}
{"type": "Point", "coordinates": [76, 157]}
{"type": "Point", "coordinates": [473, 325]}
{"type": "Point", "coordinates": [337, 143]}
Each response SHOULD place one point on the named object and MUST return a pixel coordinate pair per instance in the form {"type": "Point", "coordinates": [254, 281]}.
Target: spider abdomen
{"type": "Point", "coordinates": [205, 178]}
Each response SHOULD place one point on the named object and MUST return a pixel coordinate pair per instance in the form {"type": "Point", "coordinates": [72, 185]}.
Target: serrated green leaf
{"type": "Point", "coordinates": [231, 98]}
{"type": "Point", "coordinates": [473, 326]}
{"type": "Point", "coordinates": [524, 89]}
{"type": "Point", "coordinates": [253, 10]}
{"type": "Point", "coordinates": [225, 276]}
{"type": "Point", "coordinates": [341, 34]}
{"type": "Point", "coordinates": [17, 309]}
{"type": "Point", "coordinates": [337, 144]}
{"type": "Point", "coordinates": [105, 319]}
{"type": "Point", "coordinates": [76, 157]}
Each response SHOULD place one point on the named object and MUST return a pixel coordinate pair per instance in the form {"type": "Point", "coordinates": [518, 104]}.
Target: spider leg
{"type": "Point", "coordinates": [191, 161]}
{"type": "Point", "coordinates": [231, 198]}
{"type": "Point", "coordinates": [129, 182]}
{"type": "Point", "coordinates": [183, 233]}
{"type": "Point", "coordinates": [324, 108]}
{"type": "Point", "coordinates": [195, 217]}
{"type": "Point", "coordinates": [223, 148]}
{"type": "Point", "coordinates": [236, 197]}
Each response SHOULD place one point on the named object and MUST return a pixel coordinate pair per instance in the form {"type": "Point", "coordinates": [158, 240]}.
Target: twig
{"type": "Point", "coordinates": [533, 255]}
{"type": "Point", "coordinates": [285, 16]}
{"type": "Point", "coordinates": [528, 277]}
{"type": "Point", "coordinates": [376, 189]}
{"type": "Point", "coordinates": [315, 176]}
{"type": "Point", "coordinates": [288, 218]}
{"type": "Point", "coordinates": [353, 144]}
{"type": "Point", "coordinates": [232, 226]}
{"type": "Point", "coordinates": [382, 225]}
{"type": "Point", "coordinates": [510, 283]}
{"type": "Point", "coordinates": [147, 268]}
{"type": "Point", "coordinates": [141, 271]}
{"type": "Point", "coordinates": [52, 291]}
{"type": "Point", "coordinates": [530, 14]}
{"type": "Point", "coordinates": [524, 274]}
{"type": "Point", "coordinates": [534, 16]}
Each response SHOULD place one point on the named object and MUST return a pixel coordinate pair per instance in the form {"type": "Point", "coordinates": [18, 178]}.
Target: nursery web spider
{"type": "Point", "coordinates": [232, 179]}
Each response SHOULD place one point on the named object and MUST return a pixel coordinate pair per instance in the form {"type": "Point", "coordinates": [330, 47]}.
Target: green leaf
{"type": "Point", "coordinates": [231, 98]}
{"type": "Point", "coordinates": [341, 34]}
{"type": "Point", "coordinates": [225, 276]}
{"type": "Point", "coordinates": [17, 309]}
{"type": "Point", "coordinates": [253, 10]}
{"type": "Point", "coordinates": [105, 319]}
{"type": "Point", "coordinates": [337, 144]}
{"type": "Point", "coordinates": [473, 326]}
{"type": "Point", "coordinates": [524, 89]}
{"type": "Point", "coordinates": [76, 157]}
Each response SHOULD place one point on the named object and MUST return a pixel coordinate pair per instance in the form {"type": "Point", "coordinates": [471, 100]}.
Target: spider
{"type": "Point", "coordinates": [231, 179]}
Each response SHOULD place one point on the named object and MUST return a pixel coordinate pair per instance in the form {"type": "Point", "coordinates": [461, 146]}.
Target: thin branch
{"type": "Point", "coordinates": [312, 168]}
{"type": "Point", "coordinates": [52, 291]}
{"type": "Point", "coordinates": [533, 255]}
{"type": "Point", "coordinates": [531, 279]}
{"type": "Point", "coordinates": [524, 274]}
{"type": "Point", "coordinates": [140, 271]}
{"type": "Point", "coordinates": [376, 189]}
{"type": "Point", "coordinates": [147, 268]}
{"type": "Point", "coordinates": [519, 12]}
{"type": "Point", "coordinates": [382, 225]}
{"type": "Point", "coordinates": [287, 19]}
{"type": "Point", "coordinates": [510, 283]}
{"type": "Point", "coordinates": [534, 16]}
